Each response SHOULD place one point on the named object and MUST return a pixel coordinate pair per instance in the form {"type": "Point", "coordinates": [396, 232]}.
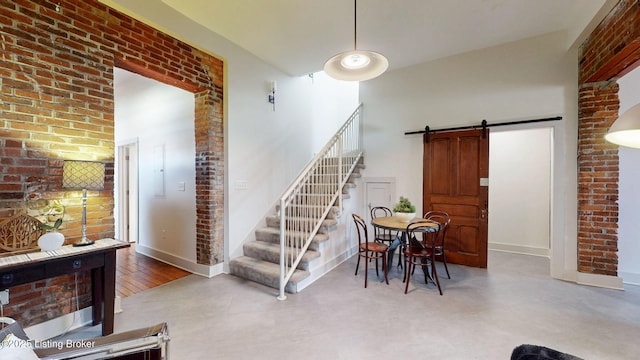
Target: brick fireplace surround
{"type": "Point", "coordinates": [56, 103]}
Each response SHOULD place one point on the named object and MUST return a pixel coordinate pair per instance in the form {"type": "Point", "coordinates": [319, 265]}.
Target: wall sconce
{"type": "Point", "coordinates": [272, 94]}
{"type": "Point", "coordinates": [625, 131]}
{"type": "Point", "coordinates": [83, 175]}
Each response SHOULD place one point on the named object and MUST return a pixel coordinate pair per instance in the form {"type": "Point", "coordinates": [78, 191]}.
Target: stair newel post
{"type": "Point", "coordinates": [340, 138]}
{"type": "Point", "coordinates": [283, 270]}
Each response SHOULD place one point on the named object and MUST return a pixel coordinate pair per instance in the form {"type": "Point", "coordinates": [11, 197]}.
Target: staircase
{"type": "Point", "coordinates": [261, 260]}
{"type": "Point", "coordinates": [296, 248]}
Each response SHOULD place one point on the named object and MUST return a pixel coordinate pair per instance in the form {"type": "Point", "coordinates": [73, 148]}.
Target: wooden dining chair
{"type": "Point", "coordinates": [369, 250]}
{"type": "Point", "coordinates": [444, 219]}
{"type": "Point", "coordinates": [380, 234]}
{"type": "Point", "coordinates": [420, 251]}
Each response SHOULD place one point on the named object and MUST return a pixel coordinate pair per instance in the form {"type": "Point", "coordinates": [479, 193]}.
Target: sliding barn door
{"type": "Point", "coordinates": [456, 180]}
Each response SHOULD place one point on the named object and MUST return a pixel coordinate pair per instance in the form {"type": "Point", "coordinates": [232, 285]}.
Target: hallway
{"type": "Point", "coordinates": [136, 272]}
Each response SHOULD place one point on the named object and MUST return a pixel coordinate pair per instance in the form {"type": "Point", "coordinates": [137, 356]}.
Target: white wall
{"type": "Point", "coordinates": [629, 191]}
{"type": "Point", "coordinates": [161, 118]}
{"type": "Point", "coordinates": [520, 191]}
{"type": "Point", "coordinates": [267, 150]}
{"type": "Point", "coordinates": [529, 79]}
{"type": "Point", "coordinates": [264, 149]}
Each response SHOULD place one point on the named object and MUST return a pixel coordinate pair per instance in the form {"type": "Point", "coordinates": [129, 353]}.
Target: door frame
{"type": "Point", "coordinates": [544, 252]}
{"type": "Point", "coordinates": [126, 171]}
{"type": "Point", "coordinates": [563, 261]}
{"type": "Point", "coordinates": [562, 255]}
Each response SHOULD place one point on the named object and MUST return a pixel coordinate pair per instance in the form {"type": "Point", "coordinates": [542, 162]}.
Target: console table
{"type": "Point", "coordinates": [100, 258]}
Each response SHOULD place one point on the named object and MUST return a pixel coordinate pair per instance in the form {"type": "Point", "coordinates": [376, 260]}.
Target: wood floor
{"type": "Point", "coordinates": [136, 272]}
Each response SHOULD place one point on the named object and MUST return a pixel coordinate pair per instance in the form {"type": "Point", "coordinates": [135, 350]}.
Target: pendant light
{"type": "Point", "coordinates": [356, 65]}
{"type": "Point", "coordinates": [625, 131]}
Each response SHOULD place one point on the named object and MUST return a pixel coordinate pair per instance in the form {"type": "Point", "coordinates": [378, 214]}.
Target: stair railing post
{"type": "Point", "coordinates": [340, 138]}
{"type": "Point", "coordinates": [283, 271]}
{"type": "Point", "coordinates": [360, 128]}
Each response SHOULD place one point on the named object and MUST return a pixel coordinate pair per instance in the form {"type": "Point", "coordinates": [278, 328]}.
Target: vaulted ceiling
{"type": "Point", "coordinates": [298, 36]}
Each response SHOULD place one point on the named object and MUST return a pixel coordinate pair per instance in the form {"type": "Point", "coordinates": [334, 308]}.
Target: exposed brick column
{"type": "Point", "coordinates": [597, 180]}
{"type": "Point", "coordinates": [610, 51]}
{"type": "Point", "coordinates": [209, 181]}
{"type": "Point", "coordinates": [209, 165]}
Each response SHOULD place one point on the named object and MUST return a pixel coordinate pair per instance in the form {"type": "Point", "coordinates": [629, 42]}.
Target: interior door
{"type": "Point", "coordinates": [378, 193]}
{"type": "Point", "coordinates": [456, 171]}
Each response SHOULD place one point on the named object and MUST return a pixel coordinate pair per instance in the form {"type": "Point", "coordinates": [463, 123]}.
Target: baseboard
{"type": "Point", "coordinates": [179, 262]}
{"type": "Point", "coordinates": [605, 281]}
{"type": "Point", "coordinates": [60, 325]}
{"type": "Point", "coordinates": [519, 249]}
{"type": "Point", "coordinates": [629, 278]}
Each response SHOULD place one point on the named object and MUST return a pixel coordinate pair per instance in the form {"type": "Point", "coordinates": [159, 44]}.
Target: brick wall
{"type": "Point", "coordinates": [56, 103]}
{"type": "Point", "coordinates": [612, 50]}
{"type": "Point", "coordinates": [597, 180]}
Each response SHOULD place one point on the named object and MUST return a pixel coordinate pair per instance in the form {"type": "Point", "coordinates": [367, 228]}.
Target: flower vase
{"type": "Point", "coordinates": [50, 241]}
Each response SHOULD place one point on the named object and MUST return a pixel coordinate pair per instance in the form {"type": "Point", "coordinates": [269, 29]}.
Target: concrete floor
{"type": "Point", "coordinates": [483, 314]}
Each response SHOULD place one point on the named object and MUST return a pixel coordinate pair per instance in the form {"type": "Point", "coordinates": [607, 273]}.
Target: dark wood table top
{"type": "Point", "coordinates": [35, 255]}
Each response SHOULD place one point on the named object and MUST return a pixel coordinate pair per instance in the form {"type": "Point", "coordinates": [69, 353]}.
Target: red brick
{"type": "Point", "coordinates": [611, 50]}
{"type": "Point", "coordinates": [61, 90]}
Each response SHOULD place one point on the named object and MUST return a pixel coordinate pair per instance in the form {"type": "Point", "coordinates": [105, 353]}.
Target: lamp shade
{"type": "Point", "coordinates": [625, 131]}
{"type": "Point", "coordinates": [356, 65]}
{"type": "Point", "coordinates": [83, 175]}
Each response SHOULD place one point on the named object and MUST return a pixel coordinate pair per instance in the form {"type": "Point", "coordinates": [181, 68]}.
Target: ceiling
{"type": "Point", "coordinates": [298, 36]}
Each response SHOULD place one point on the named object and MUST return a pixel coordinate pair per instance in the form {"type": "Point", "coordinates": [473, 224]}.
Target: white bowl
{"type": "Point", "coordinates": [405, 217]}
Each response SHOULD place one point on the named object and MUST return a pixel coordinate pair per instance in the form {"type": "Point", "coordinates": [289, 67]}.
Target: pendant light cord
{"type": "Point", "coordinates": [355, 25]}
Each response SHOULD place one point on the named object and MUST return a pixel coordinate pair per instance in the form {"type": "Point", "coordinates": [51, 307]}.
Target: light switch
{"type": "Point", "coordinates": [181, 186]}
{"type": "Point", "coordinates": [242, 184]}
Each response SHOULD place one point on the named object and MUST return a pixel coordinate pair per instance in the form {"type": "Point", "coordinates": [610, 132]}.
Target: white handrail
{"type": "Point", "coordinates": [309, 199]}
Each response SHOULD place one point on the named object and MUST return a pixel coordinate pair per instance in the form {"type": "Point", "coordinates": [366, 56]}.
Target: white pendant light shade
{"type": "Point", "coordinates": [357, 65]}
{"type": "Point", "coordinates": [625, 131]}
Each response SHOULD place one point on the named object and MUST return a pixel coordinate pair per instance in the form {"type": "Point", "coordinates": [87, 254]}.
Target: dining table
{"type": "Point", "coordinates": [395, 223]}
{"type": "Point", "coordinates": [400, 225]}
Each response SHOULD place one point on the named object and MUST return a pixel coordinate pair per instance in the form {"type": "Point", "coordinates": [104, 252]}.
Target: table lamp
{"type": "Point", "coordinates": [85, 175]}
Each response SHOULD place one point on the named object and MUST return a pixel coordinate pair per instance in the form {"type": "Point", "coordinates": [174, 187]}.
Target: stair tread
{"type": "Point", "coordinates": [264, 272]}
{"type": "Point", "coordinates": [271, 246]}
{"type": "Point", "coordinates": [276, 231]}
{"type": "Point", "coordinates": [273, 216]}
{"type": "Point", "coordinates": [267, 251]}
{"type": "Point", "coordinates": [326, 221]}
